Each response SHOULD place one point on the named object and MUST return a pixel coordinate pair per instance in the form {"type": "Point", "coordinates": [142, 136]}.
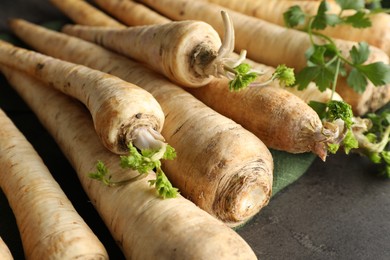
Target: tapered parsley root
{"type": "Point", "coordinates": [81, 11]}
{"type": "Point", "coordinates": [123, 113]}
{"type": "Point", "coordinates": [143, 226]}
{"type": "Point", "coordinates": [232, 174]}
{"type": "Point", "coordinates": [4, 251]}
{"type": "Point", "coordinates": [119, 9]}
{"type": "Point", "coordinates": [189, 53]}
{"type": "Point", "coordinates": [273, 45]}
{"type": "Point", "coordinates": [184, 51]}
{"type": "Point", "coordinates": [50, 227]}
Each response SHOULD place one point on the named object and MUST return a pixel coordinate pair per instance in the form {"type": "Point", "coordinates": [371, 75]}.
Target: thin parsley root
{"type": "Point", "coordinates": [143, 226]}
{"type": "Point", "coordinates": [223, 168]}
{"type": "Point", "coordinates": [49, 225]}
{"type": "Point", "coordinates": [190, 53]}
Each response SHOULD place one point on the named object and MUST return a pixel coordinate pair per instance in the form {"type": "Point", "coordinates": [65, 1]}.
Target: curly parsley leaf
{"type": "Point", "coordinates": [163, 185]}
{"type": "Point", "coordinates": [284, 74]}
{"type": "Point", "coordinates": [243, 77]}
{"type": "Point", "coordinates": [143, 162]}
{"type": "Point", "coordinates": [101, 173]}
{"type": "Point", "coordinates": [376, 142]}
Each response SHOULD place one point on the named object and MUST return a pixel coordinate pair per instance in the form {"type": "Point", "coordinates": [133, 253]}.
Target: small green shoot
{"type": "Point", "coordinates": [144, 162]}
{"type": "Point", "coordinates": [338, 110]}
{"type": "Point", "coordinates": [243, 77]}
{"type": "Point", "coordinates": [375, 141]}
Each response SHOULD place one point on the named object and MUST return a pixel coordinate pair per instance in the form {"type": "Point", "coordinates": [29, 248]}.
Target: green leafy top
{"type": "Point", "coordinates": [144, 162]}
{"type": "Point", "coordinates": [245, 77]}
{"type": "Point", "coordinates": [325, 61]}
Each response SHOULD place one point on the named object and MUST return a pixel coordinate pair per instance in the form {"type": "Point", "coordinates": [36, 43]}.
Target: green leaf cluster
{"type": "Point", "coordinates": [378, 135]}
{"type": "Point", "coordinates": [332, 111]}
{"type": "Point", "coordinates": [325, 63]}
{"type": "Point", "coordinates": [243, 77]}
{"type": "Point", "coordinates": [143, 162]}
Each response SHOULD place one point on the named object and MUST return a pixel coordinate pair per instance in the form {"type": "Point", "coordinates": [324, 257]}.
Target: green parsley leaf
{"type": "Point", "coordinates": [360, 54]}
{"type": "Point", "coordinates": [357, 80]}
{"type": "Point", "coordinates": [170, 153]}
{"type": "Point", "coordinates": [284, 74]}
{"type": "Point", "coordinates": [294, 16]}
{"type": "Point", "coordinates": [350, 142]}
{"type": "Point", "coordinates": [351, 4]}
{"type": "Point", "coordinates": [320, 20]}
{"type": "Point", "coordinates": [242, 78]}
{"type": "Point", "coordinates": [163, 185]}
{"type": "Point", "coordinates": [305, 76]}
{"type": "Point", "coordinates": [378, 72]}
{"type": "Point", "coordinates": [333, 148]}
{"type": "Point", "coordinates": [340, 110]}
{"type": "Point", "coordinates": [358, 20]}
{"type": "Point", "coordinates": [101, 173]}
{"type": "Point", "coordinates": [319, 107]}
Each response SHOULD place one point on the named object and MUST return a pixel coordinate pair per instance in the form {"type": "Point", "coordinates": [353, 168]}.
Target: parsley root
{"type": "Point", "coordinates": [143, 226]}
{"type": "Point", "coordinates": [121, 111]}
{"type": "Point", "coordinates": [49, 225]}
{"type": "Point", "coordinates": [189, 53]}
{"type": "Point", "coordinates": [232, 174]}
{"type": "Point", "coordinates": [273, 45]}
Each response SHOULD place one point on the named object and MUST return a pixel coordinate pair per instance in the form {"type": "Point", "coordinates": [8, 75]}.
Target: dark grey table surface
{"type": "Point", "coordinates": [337, 210]}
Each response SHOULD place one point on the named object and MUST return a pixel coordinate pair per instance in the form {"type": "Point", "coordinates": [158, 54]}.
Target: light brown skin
{"type": "Point", "coordinates": [144, 225]}
{"type": "Point", "coordinates": [140, 14]}
{"type": "Point", "coordinates": [272, 44]}
{"type": "Point", "coordinates": [280, 119]}
{"type": "Point", "coordinates": [212, 150]}
{"type": "Point", "coordinates": [49, 226]}
{"type": "Point", "coordinates": [80, 11]}
{"type": "Point", "coordinates": [119, 9]}
{"type": "Point", "coordinates": [5, 253]}
{"type": "Point", "coordinates": [183, 51]}
{"type": "Point", "coordinates": [118, 108]}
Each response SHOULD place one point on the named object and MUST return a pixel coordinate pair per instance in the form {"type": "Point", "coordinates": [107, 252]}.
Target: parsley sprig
{"type": "Point", "coordinates": [339, 113]}
{"type": "Point", "coordinates": [373, 135]}
{"type": "Point", "coordinates": [245, 76]}
{"type": "Point", "coordinates": [143, 161]}
{"type": "Point", "coordinates": [325, 62]}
